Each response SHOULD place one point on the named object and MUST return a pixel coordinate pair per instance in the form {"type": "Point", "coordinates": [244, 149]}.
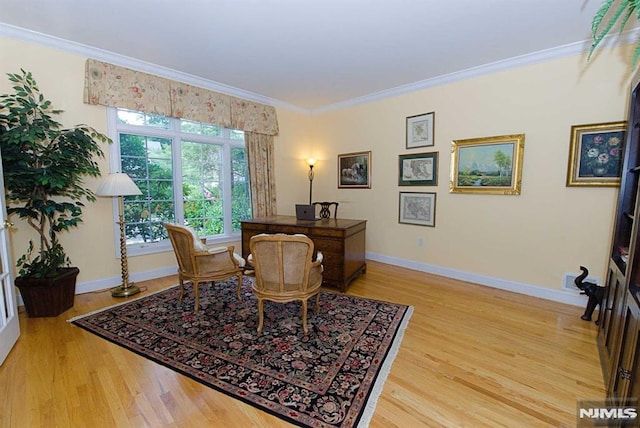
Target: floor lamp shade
{"type": "Point", "coordinates": [117, 185]}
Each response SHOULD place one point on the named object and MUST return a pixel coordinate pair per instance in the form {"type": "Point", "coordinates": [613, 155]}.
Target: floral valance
{"type": "Point", "coordinates": [112, 85]}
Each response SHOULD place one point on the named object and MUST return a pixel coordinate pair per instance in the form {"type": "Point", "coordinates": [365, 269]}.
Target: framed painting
{"type": "Point", "coordinates": [595, 154]}
{"type": "Point", "coordinates": [419, 131]}
{"type": "Point", "coordinates": [491, 165]}
{"type": "Point", "coordinates": [420, 169]}
{"type": "Point", "coordinates": [417, 208]}
{"type": "Point", "coordinates": [354, 170]}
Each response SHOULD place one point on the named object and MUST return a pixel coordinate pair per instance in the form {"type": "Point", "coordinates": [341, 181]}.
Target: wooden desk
{"type": "Point", "coordinates": [341, 241]}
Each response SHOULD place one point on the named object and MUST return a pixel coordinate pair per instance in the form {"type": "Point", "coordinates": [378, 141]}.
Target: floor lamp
{"type": "Point", "coordinates": [117, 185]}
{"type": "Point", "coordinates": [311, 163]}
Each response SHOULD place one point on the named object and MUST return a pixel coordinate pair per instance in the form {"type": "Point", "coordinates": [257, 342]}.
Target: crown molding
{"type": "Point", "coordinates": [46, 40]}
{"type": "Point", "coordinates": [570, 49]}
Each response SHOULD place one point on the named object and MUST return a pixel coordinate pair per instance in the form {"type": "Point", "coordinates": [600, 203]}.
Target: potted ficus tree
{"type": "Point", "coordinates": [44, 165]}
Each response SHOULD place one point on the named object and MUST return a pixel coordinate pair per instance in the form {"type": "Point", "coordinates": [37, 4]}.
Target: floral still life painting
{"type": "Point", "coordinates": [595, 156]}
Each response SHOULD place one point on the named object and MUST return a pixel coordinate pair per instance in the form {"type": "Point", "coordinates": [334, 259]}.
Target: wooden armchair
{"type": "Point", "coordinates": [199, 263]}
{"type": "Point", "coordinates": [285, 271]}
{"type": "Point", "coordinates": [325, 207]}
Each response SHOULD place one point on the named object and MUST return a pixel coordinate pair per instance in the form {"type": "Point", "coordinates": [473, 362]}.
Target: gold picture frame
{"type": "Point", "coordinates": [354, 170]}
{"type": "Point", "coordinates": [595, 154]}
{"type": "Point", "coordinates": [488, 165]}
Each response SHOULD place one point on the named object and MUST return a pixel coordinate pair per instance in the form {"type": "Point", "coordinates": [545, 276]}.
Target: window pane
{"type": "Point", "coordinates": [236, 135]}
{"type": "Point", "coordinates": [199, 128]}
{"type": "Point", "coordinates": [148, 161]}
{"type": "Point", "coordinates": [240, 195]}
{"type": "Point", "coordinates": [138, 118]}
{"type": "Point", "coordinates": [202, 187]}
{"type": "Point", "coordinates": [130, 117]}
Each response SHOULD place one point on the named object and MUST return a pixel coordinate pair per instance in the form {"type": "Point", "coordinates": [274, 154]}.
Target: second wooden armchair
{"type": "Point", "coordinates": [285, 271]}
{"type": "Point", "coordinates": [198, 263]}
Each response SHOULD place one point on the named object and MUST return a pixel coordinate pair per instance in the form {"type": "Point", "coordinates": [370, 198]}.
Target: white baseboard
{"type": "Point", "coordinates": [571, 297]}
{"type": "Point", "coordinates": [114, 281]}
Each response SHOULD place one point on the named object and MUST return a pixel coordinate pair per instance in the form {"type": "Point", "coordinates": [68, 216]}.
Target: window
{"type": "Point", "coordinates": [189, 172]}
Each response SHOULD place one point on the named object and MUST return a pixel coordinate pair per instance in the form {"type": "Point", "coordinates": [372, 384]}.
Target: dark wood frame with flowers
{"type": "Point", "coordinates": [595, 155]}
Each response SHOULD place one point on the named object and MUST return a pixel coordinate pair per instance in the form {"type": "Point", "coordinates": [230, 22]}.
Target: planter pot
{"type": "Point", "coordinates": [48, 297]}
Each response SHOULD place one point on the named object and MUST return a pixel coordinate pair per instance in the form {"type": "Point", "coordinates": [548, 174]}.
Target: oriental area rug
{"type": "Point", "coordinates": [331, 377]}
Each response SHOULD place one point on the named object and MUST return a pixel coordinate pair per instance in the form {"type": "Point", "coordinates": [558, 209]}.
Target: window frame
{"type": "Point", "coordinates": [176, 135]}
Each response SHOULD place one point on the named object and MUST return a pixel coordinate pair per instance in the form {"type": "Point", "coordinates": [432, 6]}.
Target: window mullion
{"type": "Point", "coordinates": [178, 196]}
{"type": "Point", "coordinates": [226, 186]}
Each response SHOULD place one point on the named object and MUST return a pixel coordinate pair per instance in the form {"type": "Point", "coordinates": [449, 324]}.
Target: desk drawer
{"type": "Point", "coordinates": [326, 245]}
{"type": "Point", "coordinates": [332, 274]}
{"type": "Point", "coordinates": [276, 228]}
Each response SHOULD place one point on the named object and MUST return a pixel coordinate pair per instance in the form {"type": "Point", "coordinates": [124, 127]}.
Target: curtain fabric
{"type": "Point", "coordinates": [260, 159]}
{"type": "Point", "coordinates": [112, 85]}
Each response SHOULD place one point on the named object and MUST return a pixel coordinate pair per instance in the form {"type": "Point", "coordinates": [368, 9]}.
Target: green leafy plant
{"type": "Point", "coordinates": [43, 165]}
{"type": "Point", "coordinates": [618, 12]}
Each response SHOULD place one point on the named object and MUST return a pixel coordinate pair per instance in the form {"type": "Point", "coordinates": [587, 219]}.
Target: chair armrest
{"type": "Point", "coordinates": [318, 260]}
{"type": "Point", "coordinates": [216, 250]}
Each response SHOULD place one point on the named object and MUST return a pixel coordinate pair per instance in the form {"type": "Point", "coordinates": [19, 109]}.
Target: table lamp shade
{"type": "Point", "coordinates": [118, 184]}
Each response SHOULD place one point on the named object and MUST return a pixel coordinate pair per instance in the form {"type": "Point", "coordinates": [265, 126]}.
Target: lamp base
{"type": "Point", "coordinates": [123, 291]}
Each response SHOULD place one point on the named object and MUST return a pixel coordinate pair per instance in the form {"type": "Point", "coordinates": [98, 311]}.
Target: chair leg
{"type": "Point", "coordinates": [197, 294]}
{"type": "Point", "coordinates": [239, 285]}
{"type": "Point", "coordinates": [318, 303]}
{"type": "Point", "coordinates": [304, 316]}
{"type": "Point", "coordinates": [181, 289]}
{"type": "Point", "coordinates": [260, 315]}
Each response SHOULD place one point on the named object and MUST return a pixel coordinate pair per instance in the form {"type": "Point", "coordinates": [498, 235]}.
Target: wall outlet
{"type": "Point", "coordinates": [569, 278]}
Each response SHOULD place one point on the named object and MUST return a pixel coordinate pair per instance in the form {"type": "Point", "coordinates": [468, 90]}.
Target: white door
{"type": "Point", "coordinates": [9, 328]}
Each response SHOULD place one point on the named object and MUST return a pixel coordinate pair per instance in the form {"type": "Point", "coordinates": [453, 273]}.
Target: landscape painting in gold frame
{"type": "Point", "coordinates": [488, 165]}
{"type": "Point", "coordinates": [595, 154]}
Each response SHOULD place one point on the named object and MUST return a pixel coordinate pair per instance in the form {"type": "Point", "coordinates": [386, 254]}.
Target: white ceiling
{"type": "Point", "coordinates": [310, 54]}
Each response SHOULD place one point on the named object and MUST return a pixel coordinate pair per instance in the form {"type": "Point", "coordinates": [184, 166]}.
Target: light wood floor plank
{"type": "Point", "coordinates": [471, 356]}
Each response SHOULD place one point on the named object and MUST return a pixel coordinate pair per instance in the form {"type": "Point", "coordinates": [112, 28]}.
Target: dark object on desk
{"type": "Point", "coordinates": [306, 212]}
{"type": "Point", "coordinates": [592, 290]}
{"type": "Point", "coordinates": [325, 211]}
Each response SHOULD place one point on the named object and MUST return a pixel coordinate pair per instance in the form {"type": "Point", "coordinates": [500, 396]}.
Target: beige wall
{"type": "Point", "coordinates": [529, 239]}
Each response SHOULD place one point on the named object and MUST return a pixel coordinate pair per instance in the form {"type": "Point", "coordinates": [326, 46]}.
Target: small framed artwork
{"type": "Point", "coordinates": [420, 169]}
{"type": "Point", "coordinates": [420, 130]}
{"type": "Point", "coordinates": [491, 165]}
{"type": "Point", "coordinates": [354, 170]}
{"type": "Point", "coordinates": [418, 208]}
{"type": "Point", "coordinates": [595, 155]}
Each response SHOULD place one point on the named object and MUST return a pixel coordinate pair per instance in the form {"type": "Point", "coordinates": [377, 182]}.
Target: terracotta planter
{"type": "Point", "coordinates": [48, 297]}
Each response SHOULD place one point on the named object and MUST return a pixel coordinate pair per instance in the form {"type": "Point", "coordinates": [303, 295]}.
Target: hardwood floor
{"type": "Point", "coordinates": [472, 356]}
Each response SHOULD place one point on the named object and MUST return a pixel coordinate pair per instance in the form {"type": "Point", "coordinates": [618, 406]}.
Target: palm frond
{"type": "Point", "coordinates": [622, 12]}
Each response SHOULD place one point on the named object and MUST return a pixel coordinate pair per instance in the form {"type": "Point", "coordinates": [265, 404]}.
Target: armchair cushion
{"type": "Point", "coordinates": [198, 245]}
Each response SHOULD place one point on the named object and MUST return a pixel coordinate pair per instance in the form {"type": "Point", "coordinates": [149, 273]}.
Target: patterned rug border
{"type": "Point", "coordinates": [373, 395]}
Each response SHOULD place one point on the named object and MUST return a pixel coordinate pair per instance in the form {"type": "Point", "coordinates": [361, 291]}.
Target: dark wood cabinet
{"type": "Point", "coordinates": [619, 318]}
{"type": "Point", "coordinates": [625, 382]}
{"type": "Point", "coordinates": [341, 241]}
{"type": "Point", "coordinates": [610, 317]}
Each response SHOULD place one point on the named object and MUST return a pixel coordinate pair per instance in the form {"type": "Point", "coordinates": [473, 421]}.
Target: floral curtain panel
{"type": "Point", "coordinates": [261, 178]}
{"type": "Point", "coordinates": [111, 85]}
